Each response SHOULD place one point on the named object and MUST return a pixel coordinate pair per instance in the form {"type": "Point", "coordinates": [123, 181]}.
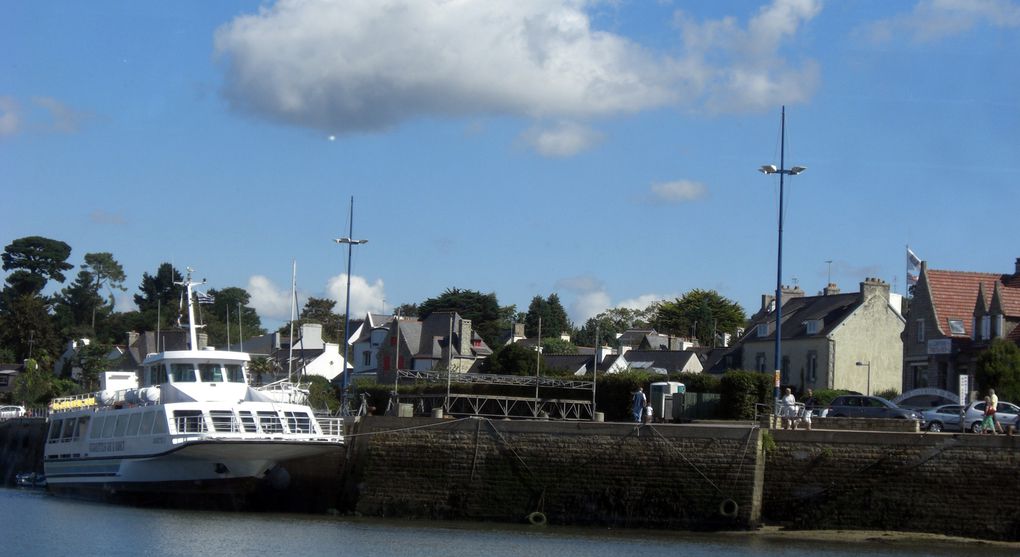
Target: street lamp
{"type": "Point", "coordinates": [867, 363]}
{"type": "Point", "coordinates": [344, 408]}
{"type": "Point", "coordinates": [782, 171]}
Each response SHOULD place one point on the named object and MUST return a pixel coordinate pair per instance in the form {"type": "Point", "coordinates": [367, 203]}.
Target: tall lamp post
{"type": "Point", "coordinates": [782, 171]}
{"type": "Point", "coordinates": [867, 363]}
{"type": "Point", "coordinates": [351, 242]}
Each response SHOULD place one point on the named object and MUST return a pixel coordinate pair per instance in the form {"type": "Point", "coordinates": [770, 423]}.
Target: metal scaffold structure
{"type": "Point", "coordinates": [501, 406]}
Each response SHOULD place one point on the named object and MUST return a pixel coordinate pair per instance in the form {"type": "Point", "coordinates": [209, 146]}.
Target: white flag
{"type": "Point", "coordinates": [913, 260]}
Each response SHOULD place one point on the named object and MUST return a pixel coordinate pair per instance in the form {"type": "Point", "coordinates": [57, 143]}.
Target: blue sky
{"type": "Point", "coordinates": [603, 150]}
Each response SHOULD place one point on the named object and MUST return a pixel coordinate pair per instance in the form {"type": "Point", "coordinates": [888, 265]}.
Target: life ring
{"type": "Point", "coordinates": [729, 508]}
{"type": "Point", "coordinates": [537, 518]}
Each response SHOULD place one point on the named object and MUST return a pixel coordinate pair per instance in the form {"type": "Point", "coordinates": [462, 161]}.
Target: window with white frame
{"type": "Point", "coordinates": [956, 327]}
{"type": "Point", "coordinates": [762, 330]}
{"type": "Point", "coordinates": [814, 326]}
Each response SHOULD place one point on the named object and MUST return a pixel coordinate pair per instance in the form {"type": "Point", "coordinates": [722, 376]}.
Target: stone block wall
{"type": "Point", "coordinates": [962, 484]}
{"type": "Point", "coordinates": [21, 447]}
{"type": "Point", "coordinates": [675, 476]}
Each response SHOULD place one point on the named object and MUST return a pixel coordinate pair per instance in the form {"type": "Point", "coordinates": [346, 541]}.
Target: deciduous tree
{"type": "Point", "coordinates": [699, 314]}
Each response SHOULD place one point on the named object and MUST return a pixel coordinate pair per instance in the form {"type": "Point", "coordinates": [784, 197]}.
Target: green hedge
{"type": "Point", "coordinates": [741, 391]}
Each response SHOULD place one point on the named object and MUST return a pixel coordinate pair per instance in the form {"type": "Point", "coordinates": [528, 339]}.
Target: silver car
{"type": "Point", "coordinates": [11, 412]}
{"type": "Point", "coordinates": [1005, 413]}
{"type": "Point", "coordinates": [943, 418]}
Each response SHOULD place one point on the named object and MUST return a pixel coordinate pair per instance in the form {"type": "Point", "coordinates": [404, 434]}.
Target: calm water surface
{"type": "Point", "coordinates": [36, 524]}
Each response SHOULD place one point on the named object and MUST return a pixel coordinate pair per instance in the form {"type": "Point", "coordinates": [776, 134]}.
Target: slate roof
{"type": "Point", "coordinates": [569, 362]}
{"type": "Point", "coordinates": [669, 360]}
{"type": "Point", "coordinates": [831, 309]}
{"type": "Point", "coordinates": [954, 295]}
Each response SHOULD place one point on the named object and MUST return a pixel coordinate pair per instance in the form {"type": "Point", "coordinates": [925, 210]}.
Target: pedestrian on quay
{"type": "Point", "coordinates": [639, 404]}
{"type": "Point", "coordinates": [788, 412]}
{"type": "Point", "coordinates": [810, 403]}
{"type": "Point", "coordinates": [994, 404]}
{"type": "Point", "coordinates": [988, 424]}
{"type": "Point", "coordinates": [649, 413]}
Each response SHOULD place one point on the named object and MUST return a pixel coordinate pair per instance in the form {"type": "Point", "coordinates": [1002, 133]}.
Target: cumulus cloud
{"type": "Point", "coordinates": [365, 65]}
{"type": "Point", "coordinates": [269, 300]}
{"type": "Point", "coordinates": [564, 139]}
{"type": "Point", "coordinates": [591, 298]}
{"type": "Point", "coordinates": [932, 20]}
{"type": "Point", "coordinates": [10, 116]}
{"type": "Point", "coordinates": [100, 216]}
{"type": "Point", "coordinates": [680, 191]}
{"type": "Point", "coordinates": [62, 118]}
{"type": "Point", "coordinates": [365, 297]}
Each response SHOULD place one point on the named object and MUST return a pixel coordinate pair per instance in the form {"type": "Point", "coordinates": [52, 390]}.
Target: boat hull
{"type": "Point", "coordinates": [251, 475]}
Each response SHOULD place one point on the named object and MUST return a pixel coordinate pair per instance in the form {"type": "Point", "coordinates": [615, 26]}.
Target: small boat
{"type": "Point", "coordinates": [30, 479]}
{"type": "Point", "coordinates": [187, 426]}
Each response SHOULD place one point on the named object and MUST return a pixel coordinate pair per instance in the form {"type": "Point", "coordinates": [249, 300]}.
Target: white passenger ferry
{"type": "Point", "coordinates": [186, 424]}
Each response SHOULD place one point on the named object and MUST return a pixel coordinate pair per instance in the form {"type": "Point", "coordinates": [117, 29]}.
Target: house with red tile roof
{"type": "Point", "coordinates": [951, 319]}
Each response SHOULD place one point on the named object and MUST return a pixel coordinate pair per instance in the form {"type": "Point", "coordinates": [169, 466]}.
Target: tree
{"type": "Point", "coordinates": [611, 323]}
{"type": "Point", "coordinates": [104, 271]}
{"type": "Point", "coordinates": [33, 384]}
{"type": "Point", "coordinates": [35, 261]}
{"type": "Point", "coordinates": [91, 359]}
{"type": "Point", "coordinates": [227, 301]}
{"type": "Point", "coordinates": [512, 359]}
{"type": "Point", "coordinates": [482, 309]}
{"type": "Point", "coordinates": [27, 328]}
{"type": "Point", "coordinates": [75, 307]}
{"type": "Point", "coordinates": [998, 368]}
{"type": "Point", "coordinates": [553, 317]}
{"type": "Point", "coordinates": [700, 314]}
{"type": "Point", "coordinates": [159, 295]}
{"type": "Point", "coordinates": [558, 346]}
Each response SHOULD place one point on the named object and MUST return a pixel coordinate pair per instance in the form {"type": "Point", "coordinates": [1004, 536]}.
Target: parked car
{"type": "Point", "coordinates": [11, 412]}
{"type": "Point", "coordinates": [862, 406]}
{"type": "Point", "coordinates": [943, 418]}
{"type": "Point", "coordinates": [1006, 413]}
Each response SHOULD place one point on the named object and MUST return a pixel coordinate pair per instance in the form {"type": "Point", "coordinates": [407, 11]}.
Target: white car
{"type": "Point", "coordinates": [11, 412]}
{"type": "Point", "coordinates": [1006, 414]}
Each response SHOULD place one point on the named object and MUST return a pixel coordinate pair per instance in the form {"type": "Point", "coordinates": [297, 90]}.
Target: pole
{"type": "Point", "coordinates": [595, 371]}
{"type": "Point", "coordinates": [293, 316]}
{"type": "Point", "coordinates": [240, 330]}
{"type": "Point", "coordinates": [538, 360]}
{"type": "Point", "coordinates": [779, 263]}
{"type": "Point", "coordinates": [347, 310]}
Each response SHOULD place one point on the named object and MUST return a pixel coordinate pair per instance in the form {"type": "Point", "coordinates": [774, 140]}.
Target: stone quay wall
{"type": "Point", "coordinates": [661, 476]}
{"type": "Point", "coordinates": [21, 447]}
{"type": "Point", "coordinates": [955, 484]}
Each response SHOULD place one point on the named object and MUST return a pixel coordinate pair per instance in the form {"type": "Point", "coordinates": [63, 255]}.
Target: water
{"type": "Point", "coordinates": [37, 524]}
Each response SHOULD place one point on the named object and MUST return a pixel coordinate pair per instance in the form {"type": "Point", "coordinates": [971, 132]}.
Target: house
{"type": "Point", "coordinates": [366, 340]}
{"type": "Point", "coordinates": [65, 365]}
{"type": "Point", "coordinates": [443, 340]}
{"type": "Point", "coordinates": [8, 373]}
{"type": "Point", "coordinates": [830, 341]}
{"type": "Point", "coordinates": [649, 339]}
{"type": "Point", "coordinates": [308, 354]}
{"type": "Point", "coordinates": [952, 318]}
{"type": "Point", "coordinates": [658, 361]}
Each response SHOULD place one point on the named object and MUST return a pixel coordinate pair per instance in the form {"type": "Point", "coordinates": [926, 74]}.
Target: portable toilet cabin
{"type": "Point", "coordinates": [663, 398]}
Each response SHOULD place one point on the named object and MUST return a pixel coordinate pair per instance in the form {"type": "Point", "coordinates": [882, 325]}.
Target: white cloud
{"type": "Point", "coordinates": [366, 65]}
{"type": "Point", "coordinates": [679, 191]}
{"type": "Point", "coordinates": [62, 118]}
{"type": "Point", "coordinates": [932, 20]}
{"type": "Point", "coordinates": [270, 301]}
{"type": "Point", "coordinates": [565, 139]}
{"type": "Point", "coordinates": [10, 116]}
{"type": "Point", "coordinates": [592, 299]}
{"type": "Point", "coordinates": [365, 297]}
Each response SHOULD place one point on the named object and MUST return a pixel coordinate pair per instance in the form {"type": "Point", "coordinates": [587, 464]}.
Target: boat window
{"type": "Point", "coordinates": [189, 421]}
{"type": "Point", "coordinates": [146, 426]}
{"type": "Point", "coordinates": [97, 427]}
{"type": "Point", "coordinates": [270, 422]}
{"type": "Point", "coordinates": [223, 420]}
{"type": "Point", "coordinates": [55, 428]}
{"type": "Point", "coordinates": [122, 421]}
{"type": "Point", "coordinates": [157, 374]}
{"type": "Point", "coordinates": [108, 426]}
{"type": "Point", "coordinates": [247, 421]}
{"type": "Point", "coordinates": [211, 373]}
{"type": "Point", "coordinates": [159, 423]}
{"type": "Point", "coordinates": [234, 373]}
{"type": "Point", "coordinates": [67, 432]}
{"type": "Point", "coordinates": [182, 373]}
{"type": "Point", "coordinates": [133, 423]}
{"type": "Point", "coordinates": [299, 422]}
{"type": "Point", "coordinates": [80, 427]}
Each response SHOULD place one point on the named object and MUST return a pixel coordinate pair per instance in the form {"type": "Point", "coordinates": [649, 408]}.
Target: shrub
{"type": "Point", "coordinates": [741, 390]}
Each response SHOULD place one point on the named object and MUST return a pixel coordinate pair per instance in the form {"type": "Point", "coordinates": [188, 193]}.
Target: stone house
{"type": "Point", "coordinates": [951, 319]}
{"type": "Point", "coordinates": [443, 340]}
{"type": "Point", "coordinates": [831, 341]}
{"type": "Point", "coordinates": [659, 361]}
{"type": "Point", "coordinates": [366, 340]}
{"type": "Point", "coordinates": [309, 355]}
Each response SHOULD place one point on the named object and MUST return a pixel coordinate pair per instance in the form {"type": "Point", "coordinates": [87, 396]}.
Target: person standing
{"type": "Point", "coordinates": [789, 410]}
{"type": "Point", "coordinates": [994, 405]}
{"type": "Point", "coordinates": [639, 404]}
{"type": "Point", "coordinates": [810, 403]}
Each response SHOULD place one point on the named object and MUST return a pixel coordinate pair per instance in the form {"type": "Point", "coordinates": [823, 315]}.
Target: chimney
{"type": "Point", "coordinates": [1017, 267]}
{"type": "Point", "coordinates": [465, 337]}
{"type": "Point", "coordinates": [874, 287]}
{"type": "Point", "coordinates": [830, 290]}
{"type": "Point", "coordinates": [767, 300]}
{"type": "Point", "coordinates": [792, 292]}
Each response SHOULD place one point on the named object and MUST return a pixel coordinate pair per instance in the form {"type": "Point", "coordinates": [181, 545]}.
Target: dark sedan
{"type": "Point", "coordinates": [862, 406]}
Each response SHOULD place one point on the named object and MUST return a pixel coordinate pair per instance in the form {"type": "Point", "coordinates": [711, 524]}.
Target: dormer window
{"type": "Point", "coordinates": [986, 326]}
{"type": "Point", "coordinates": [814, 326]}
{"type": "Point", "coordinates": [762, 330]}
{"type": "Point", "coordinates": [998, 326]}
{"type": "Point", "coordinates": [956, 327]}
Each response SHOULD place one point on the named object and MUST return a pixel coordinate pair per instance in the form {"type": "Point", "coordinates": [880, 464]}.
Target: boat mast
{"type": "Point", "coordinates": [293, 311]}
{"type": "Point", "coordinates": [192, 333]}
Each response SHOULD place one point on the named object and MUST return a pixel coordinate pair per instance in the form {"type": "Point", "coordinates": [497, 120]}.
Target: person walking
{"type": "Point", "coordinates": [810, 403]}
{"type": "Point", "coordinates": [994, 405]}
{"type": "Point", "coordinates": [988, 424]}
{"type": "Point", "coordinates": [788, 412]}
{"type": "Point", "coordinates": [639, 404]}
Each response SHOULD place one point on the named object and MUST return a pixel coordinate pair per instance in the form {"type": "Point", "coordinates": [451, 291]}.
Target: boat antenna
{"type": "Point", "coordinates": [293, 311]}
{"type": "Point", "coordinates": [192, 334]}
